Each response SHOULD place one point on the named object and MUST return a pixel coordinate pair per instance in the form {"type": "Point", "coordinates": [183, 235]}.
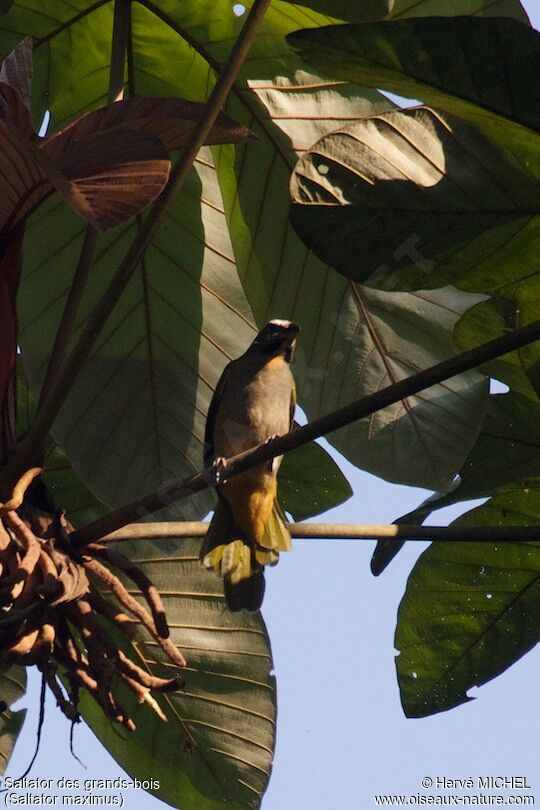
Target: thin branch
{"type": "Point", "coordinates": [102, 310]}
{"type": "Point", "coordinates": [313, 430]}
{"type": "Point", "coordinates": [119, 46]}
{"type": "Point", "coordinates": [120, 38]}
{"type": "Point", "coordinates": [69, 314]}
{"type": "Point", "coordinates": [342, 531]}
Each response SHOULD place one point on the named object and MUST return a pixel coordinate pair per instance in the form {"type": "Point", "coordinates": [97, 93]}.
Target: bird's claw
{"type": "Point", "coordinates": [218, 470]}
{"type": "Point", "coordinates": [271, 438]}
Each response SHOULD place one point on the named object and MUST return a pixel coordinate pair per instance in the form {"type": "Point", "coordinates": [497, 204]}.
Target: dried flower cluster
{"type": "Point", "coordinates": [56, 603]}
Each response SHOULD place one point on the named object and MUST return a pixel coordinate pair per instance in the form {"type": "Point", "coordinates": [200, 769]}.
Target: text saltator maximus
{"type": "Point", "coordinates": [253, 401]}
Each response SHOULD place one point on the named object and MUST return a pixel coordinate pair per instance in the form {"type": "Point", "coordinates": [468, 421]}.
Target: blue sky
{"type": "Point", "coordinates": [342, 735]}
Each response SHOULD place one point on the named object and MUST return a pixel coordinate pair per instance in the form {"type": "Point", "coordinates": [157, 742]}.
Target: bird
{"type": "Point", "coordinates": [253, 402]}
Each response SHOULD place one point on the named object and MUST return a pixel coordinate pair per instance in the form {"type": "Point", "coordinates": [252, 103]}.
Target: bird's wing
{"type": "Point", "coordinates": [209, 454]}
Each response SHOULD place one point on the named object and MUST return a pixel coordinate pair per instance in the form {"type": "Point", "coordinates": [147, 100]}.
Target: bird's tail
{"type": "Point", "coordinates": [241, 563]}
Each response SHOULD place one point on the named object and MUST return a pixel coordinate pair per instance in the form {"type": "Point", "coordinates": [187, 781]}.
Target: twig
{"type": "Point", "coordinates": [120, 36]}
{"type": "Point", "coordinates": [66, 706]}
{"type": "Point", "coordinates": [119, 47]}
{"type": "Point", "coordinates": [341, 531]}
{"type": "Point", "coordinates": [40, 725]}
{"type": "Point", "coordinates": [69, 314]}
{"type": "Point", "coordinates": [101, 311]}
{"type": "Point", "coordinates": [313, 430]}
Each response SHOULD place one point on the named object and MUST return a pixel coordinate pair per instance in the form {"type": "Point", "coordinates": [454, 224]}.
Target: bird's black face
{"type": "Point", "coordinates": [278, 337]}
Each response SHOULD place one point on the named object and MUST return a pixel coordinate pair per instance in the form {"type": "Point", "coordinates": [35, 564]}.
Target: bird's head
{"type": "Point", "coordinates": [276, 338]}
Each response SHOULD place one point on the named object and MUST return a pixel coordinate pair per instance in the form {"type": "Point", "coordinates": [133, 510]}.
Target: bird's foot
{"type": "Point", "coordinates": [271, 438]}
{"type": "Point", "coordinates": [218, 470]}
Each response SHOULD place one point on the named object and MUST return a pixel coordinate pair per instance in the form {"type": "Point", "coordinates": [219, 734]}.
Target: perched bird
{"type": "Point", "coordinates": [254, 400]}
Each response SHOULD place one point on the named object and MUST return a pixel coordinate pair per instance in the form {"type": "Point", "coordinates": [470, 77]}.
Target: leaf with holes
{"type": "Point", "coordinates": [416, 199]}
{"type": "Point", "coordinates": [470, 609]}
{"type": "Point", "coordinates": [216, 749]}
{"type": "Point", "coordinates": [458, 64]}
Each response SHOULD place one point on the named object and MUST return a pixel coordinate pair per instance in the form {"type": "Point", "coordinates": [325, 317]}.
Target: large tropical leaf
{"type": "Point", "coordinates": [350, 9]}
{"type": "Point", "coordinates": [513, 306]}
{"type": "Point", "coordinates": [467, 66]}
{"type": "Point", "coordinates": [506, 453]}
{"type": "Point", "coordinates": [216, 749]}
{"type": "Point", "coordinates": [12, 687]}
{"type": "Point", "coordinates": [145, 390]}
{"type": "Point", "coordinates": [470, 609]}
{"type": "Point", "coordinates": [415, 198]}
{"type": "Point", "coordinates": [480, 8]}
{"type": "Point", "coordinates": [10, 268]}
{"type": "Point", "coordinates": [16, 69]}
{"type": "Point", "coordinates": [170, 335]}
{"type": "Point", "coordinates": [399, 335]}
{"type": "Point", "coordinates": [310, 482]}
{"type": "Point", "coordinates": [137, 391]}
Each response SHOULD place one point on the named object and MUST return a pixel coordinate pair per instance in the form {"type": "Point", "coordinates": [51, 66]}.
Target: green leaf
{"type": "Point", "coordinates": [149, 391]}
{"type": "Point", "coordinates": [12, 687]}
{"type": "Point", "coordinates": [226, 257]}
{"type": "Point", "coordinates": [498, 316]}
{"type": "Point", "coordinates": [350, 9]}
{"type": "Point", "coordinates": [423, 439]}
{"type": "Point", "coordinates": [310, 482]}
{"type": "Point", "coordinates": [470, 609]}
{"type": "Point", "coordinates": [169, 372]}
{"type": "Point", "coordinates": [66, 489]}
{"type": "Point", "coordinates": [480, 8]}
{"type": "Point", "coordinates": [468, 66]}
{"type": "Point", "coordinates": [416, 199]}
{"type": "Point", "coordinates": [146, 389]}
{"type": "Point", "coordinates": [216, 749]}
{"type": "Point", "coordinates": [507, 452]}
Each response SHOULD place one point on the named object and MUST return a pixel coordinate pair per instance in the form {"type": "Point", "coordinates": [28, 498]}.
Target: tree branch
{"type": "Point", "coordinates": [342, 531]}
{"type": "Point", "coordinates": [313, 430]}
{"type": "Point", "coordinates": [120, 38]}
{"type": "Point", "coordinates": [99, 315]}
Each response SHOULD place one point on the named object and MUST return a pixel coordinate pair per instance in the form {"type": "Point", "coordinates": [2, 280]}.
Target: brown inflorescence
{"type": "Point", "coordinates": [61, 609]}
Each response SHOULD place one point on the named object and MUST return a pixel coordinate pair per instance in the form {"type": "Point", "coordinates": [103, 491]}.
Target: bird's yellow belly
{"type": "Point", "coordinates": [251, 496]}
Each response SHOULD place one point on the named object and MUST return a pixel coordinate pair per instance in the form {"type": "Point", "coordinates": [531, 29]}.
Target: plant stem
{"type": "Point", "coordinates": [313, 430]}
{"type": "Point", "coordinates": [99, 315]}
{"type": "Point", "coordinates": [343, 531]}
{"type": "Point", "coordinates": [119, 44]}
{"type": "Point", "coordinates": [63, 333]}
{"type": "Point", "coordinates": [120, 40]}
